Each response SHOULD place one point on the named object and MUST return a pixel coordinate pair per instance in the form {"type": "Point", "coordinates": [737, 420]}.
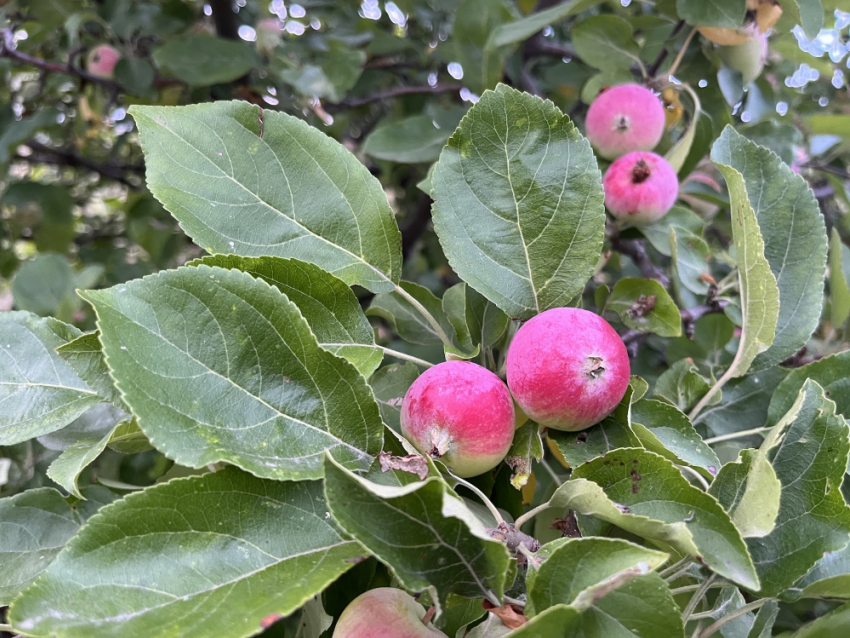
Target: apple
{"type": "Point", "coordinates": [567, 368]}
{"type": "Point", "coordinates": [747, 58]}
{"type": "Point", "coordinates": [384, 612]}
{"type": "Point", "coordinates": [460, 413]}
{"type": "Point", "coordinates": [623, 119]}
{"type": "Point", "coordinates": [640, 187]}
{"type": "Point", "coordinates": [101, 61]}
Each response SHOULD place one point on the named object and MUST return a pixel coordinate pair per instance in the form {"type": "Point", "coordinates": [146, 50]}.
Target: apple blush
{"type": "Point", "coordinates": [623, 119]}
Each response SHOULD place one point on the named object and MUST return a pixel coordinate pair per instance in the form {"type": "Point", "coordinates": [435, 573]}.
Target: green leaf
{"type": "Point", "coordinates": [832, 373]}
{"type": "Point", "coordinates": [94, 423]}
{"type": "Point", "coordinates": [665, 430]}
{"type": "Point", "coordinates": [690, 259]}
{"type": "Point", "coordinates": [157, 562]}
{"type": "Point", "coordinates": [136, 75]}
{"type": "Point", "coordinates": [749, 489]}
{"type": "Point", "coordinates": [678, 154]}
{"type": "Point", "coordinates": [681, 385]}
{"type": "Point", "coordinates": [794, 236]}
{"type": "Point", "coordinates": [839, 291]}
{"type": "Point", "coordinates": [85, 355]}
{"type": "Point", "coordinates": [810, 463]}
{"type": "Point", "coordinates": [522, 29]}
{"type": "Point", "coordinates": [606, 42]}
{"type": "Point", "coordinates": [389, 385]}
{"type": "Point", "coordinates": [642, 608]}
{"type": "Point", "coordinates": [305, 195]}
{"type": "Point", "coordinates": [829, 578]}
{"type": "Point", "coordinates": [39, 391]}
{"type": "Point", "coordinates": [644, 304]}
{"type": "Point", "coordinates": [422, 531]}
{"type": "Point", "coordinates": [474, 21]}
{"type": "Point", "coordinates": [44, 285]}
{"type": "Point", "coordinates": [128, 438]}
{"type": "Point", "coordinates": [834, 124]}
{"type": "Point", "coordinates": [220, 366]}
{"type": "Point", "coordinates": [712, 13]}
{"type": "Point", "coordinates": [643, 493]}
{"type": "Point", "coordinates": [658, 232]}
{"type": "Point", "coordinates": [202, 59]}
{"type": "Point", "coordinates": [474, 317]}
{"type": "Point", "coordinates": [517, 189]}
{"type": "Point", "coordinates": [330, 307]}
{"type": "Point", "coordinates": [613, 432]}
{"type": "Point", "coordinates": [34, 527]}
{"type": "Point", "coordinates": [406, 318]}
{"type": "Point", "coordinates": [760, 296]}
{"type": "Point", "coordinates": [580, 571]}
{"type": "Point", "coordinates": [745, 403]}
{"type": "Point", "coordinates": [527, 445]}
{"type": "Point", "coordinates": [763, 622]}
{"type": "Point", "coordinates": [831, 624]}
{"type": "Point", "coordinates": [809, 15]}
{"type": "Point", "coordinates": [414, 139]}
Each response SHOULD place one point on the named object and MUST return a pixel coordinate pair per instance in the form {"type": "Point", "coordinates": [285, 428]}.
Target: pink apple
{"type": "Point", "coordinates": [101, 61]}
{"type": "Point", "coordinates": [623, 119]}
{"type": "Point", "coordinates": [462, 414]}
{"type": "Point", "coordinates": [567, 368]}
{"type": "Point", "coordinates": [384, 613]}
{"type": "Point", "coordinates": [640, 187]}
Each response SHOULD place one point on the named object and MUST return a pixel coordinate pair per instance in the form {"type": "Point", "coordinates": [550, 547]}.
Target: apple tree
{"type": "Point", "coordinates": [424, 318]}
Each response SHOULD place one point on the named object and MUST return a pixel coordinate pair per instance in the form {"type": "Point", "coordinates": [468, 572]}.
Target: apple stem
{"type": "Point", "coordinates": [426, 619]}
{"type": "Point", "coordinates": [493, 510]}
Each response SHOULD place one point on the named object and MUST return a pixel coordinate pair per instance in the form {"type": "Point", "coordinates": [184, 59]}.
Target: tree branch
{"type": "Point", "coordinates": [42, 154]}
{"type": "Point", "coordinates": [635, 249]}
{"type": "Point", "coordinates": [225, 19]}
{"type": "Point", "coordinates": [354, 102]}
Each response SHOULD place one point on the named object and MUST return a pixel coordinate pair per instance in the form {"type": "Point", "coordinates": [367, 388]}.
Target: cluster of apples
{"type": "Point", "coordinates": [624, 124]}
{"type": "Point", "coordinates": [566, 369]}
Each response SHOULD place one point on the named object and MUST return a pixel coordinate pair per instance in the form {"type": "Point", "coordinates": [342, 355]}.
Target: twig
{"type": "Point", "coordinates": [653, 68]}
{"type": "Point", "coordinates": [697, 597]}
{"type": "Point", "coordinates": [635, 249]}
{"type": "Point", "coordinates": [224, 19]}
{"type": "Point", "coordinates": [735, 614]}
{"type": "Point", "coordinates": [354, 102]}
{"type": "Point", "coordinates": [43, 154]}
{"type": "Point", "coordinates": [827, 168]}
{"type": "Point", "coordinates": [675, 567]}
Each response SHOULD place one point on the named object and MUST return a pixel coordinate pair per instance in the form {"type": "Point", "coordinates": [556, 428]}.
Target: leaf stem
{"type": "Point", "coordinates": [7, 628]}
{"type": "Point", "coordinates": [686, 588]}
{"type": "Point", "coordinates": [675, 567]}
{"type": "Point", "coordinates": [697, 597]}
{"type": "Point", "coordinates": [493, 509]}
{"type": "Point", "coordinates": [712, 391]}
{"type": "Point", "coordinates": [736, 435]}
{"type": "Point", "coordinates": [407, 357]}
{"type": "Point", "coordinates": [425, 314]}
{"type": "Point", "coordinates": [735, 614]}
{"type": "Point", "coordinates": [699, 477]}
{"type": "Point", "coordinates": [675, 66]}
{"type": "Point", "coordinates": [524, 518]}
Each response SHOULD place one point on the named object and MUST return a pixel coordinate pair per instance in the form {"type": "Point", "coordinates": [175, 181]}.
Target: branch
{"type": "Point", "coordinates": [43, 154]}
{"type": "Point", "coordinates": [538, 45]}
{"type": "Point", "coordinates": [414, 228]}
{"type": "Point", "coordinates": [712, 305]}
{"type": "Point", "coordinates": [635, 249]}
{"type": "Point", "coordinates": [8, 50]}
{"type": "Point", "coordinates": [828, 168]}
{"type": "Point", "coordinates": [354, 102]}
{"type": "Point", "coordinates": [224, 19]}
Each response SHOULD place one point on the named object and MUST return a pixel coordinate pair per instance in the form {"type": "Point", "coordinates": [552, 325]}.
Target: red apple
{"type": "Point", "coordinates": [640, 187]}
{"type": "Point", "coordinates": [101, 61]}
{"type": "Point", "coordinates": [567, 368]}
{"type": "Point", "coordinates": [623, 119]}
{"type": "Point", "coordinates": [462, 414]}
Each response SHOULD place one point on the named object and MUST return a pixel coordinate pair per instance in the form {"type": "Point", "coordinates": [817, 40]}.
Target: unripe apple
{"type": "Point", "coordinates": [623, 119]}
{"type": "Point", "coordinates": [567, 368]}
{"type": "Point", "coordinates": [747, 58]}
{"type": "Point", "coordinates": [640, 187]}
{"type": "Point", "coordinates": [101, 61]}
{"type": "Point", "coordinates": [384, 613]}
{"type": "Point", "coordinates": [460, 413]}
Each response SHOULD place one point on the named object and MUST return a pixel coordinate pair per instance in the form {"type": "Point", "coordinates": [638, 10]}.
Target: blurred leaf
{"type": "Point", "coordinates": [34, 527]}
{"type": "Point", "coordinates": [579, 571]}
{"type": "Point", "coordinates": [808, 14]}
{"type": "Point", "coordinates": [712, 13]}
{"type": "Point", "coordinates": [14, 132]}
{"type": "Point", "coordinates": [522, 29]}
{"type": "Point", "coordinates": [644, 494]}
{"type": "Point", "coordinates": [311, 200]}
{"type": "Point", "coordinates": [839, 291]}
{"type": "Point", "coordinates": [829, 124]}
{"type": "Point", "coordinates": [703, 137]}
{"type": "Point", "coordinates": [237, 535]}
{"type": "Point", "coordinates": [85, 355]}
{"type": "Point", "coordinates": [606, 42]}
{"type": "Point", "coordinates": [644, 304]}
{"type": "Point", "coordinates": [810, 462]}
{"type": "Point", "coordinates": [680, 151]}
{"type": "Point", "coordinates": [219, 366]}
{"type": "Point", "coordinates": [45, 286]}
{"type": "Point", "coordinates": [418, 527]}
{"type": "Point", "coordinates": [792, 227]}
{"type": "Point", "coordinates": [665, 430]}
{"type": "Point", "coordinates": [202, 59]}
{"type": "Point", "coordinates": [39, 391]}
{"type": "Point", "coordinates": [390, 384]}
{"type": "Point", "coordinates": [414, 139]}
{"type": "Point", "coordinates": [517, 188]}
{"type": "Point", "coordinates": [474, 21]}
{"type": "Point", "coordinates": [831, 624]}
{"type": "Point", "coordinates": [136, 75]}
{"type": "Point", "coordinates": [330, 307]}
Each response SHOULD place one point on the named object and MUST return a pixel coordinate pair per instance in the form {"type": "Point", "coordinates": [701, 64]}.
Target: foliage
{"type": "Point", "coordinates": [226, 260]}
